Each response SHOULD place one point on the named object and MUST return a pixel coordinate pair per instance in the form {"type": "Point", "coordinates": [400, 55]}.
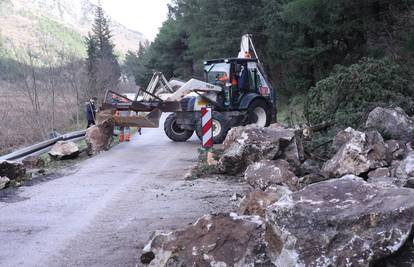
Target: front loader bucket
{"type": "Point", "coordinates": [151, 120]}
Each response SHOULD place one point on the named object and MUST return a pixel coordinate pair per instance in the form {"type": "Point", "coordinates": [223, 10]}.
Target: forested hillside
{"type": "Point", "coordinates": [48, 70]}
{"type": "Point", "coordinates": [306, 46]}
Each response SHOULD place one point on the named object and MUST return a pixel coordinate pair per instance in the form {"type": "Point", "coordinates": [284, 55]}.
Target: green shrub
{"type": "Point", "coordinates": [349, 93]}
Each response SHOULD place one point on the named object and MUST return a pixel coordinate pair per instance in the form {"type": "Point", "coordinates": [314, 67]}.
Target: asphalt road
{"type": "Point", "coordinates": [102, 212]}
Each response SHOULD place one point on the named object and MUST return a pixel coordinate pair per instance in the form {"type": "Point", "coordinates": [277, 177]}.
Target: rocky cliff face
{"type": "Point", "coordinates": [31, 21]}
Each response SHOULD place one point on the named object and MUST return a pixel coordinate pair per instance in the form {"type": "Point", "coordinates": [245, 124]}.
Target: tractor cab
{"type": "Point", "coordinates": [239, 78]}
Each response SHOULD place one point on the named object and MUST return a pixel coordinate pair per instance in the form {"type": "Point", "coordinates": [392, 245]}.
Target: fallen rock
{"type": "Point", "coordinates": [12, 170]}
{"type": "Point", "coordinates": [406, 167]}
{"type": "Point", "coordinates": [236, 197]}
{"type": "Point", "coordinates": [403, 258]}
{"type": "Point", "coordinates": [392, 181]}
{"type": "Point", "coordinates": [64, 150]}
{"type": "Point", "coordinates": [392, 123]}
{"type": "Point", "coordinates": [396, 149]}
{"type": "Point", "coordinates": [267, 173]}
{"type": "Point", "coordinates": [359, 153]}
{"type": "Point", "coordinates": [3, 182]}
{"type": "Point", "coordinates": [235, 133]}
{"type": "Point", "coordinates": [410, 183]}
{"type": "Point", "coordinates": [311, 179]}
{"type": "Point", "coordinates": [294, 152]}
{"type": "Point", "coordinates": [33, 162]}
{"type": "Point", "coordinates": [214, 240]}
{"type": "Point", "coordinates": [100, 136]}
{"type": "Point", "coordinates": [245, 145]}
{"type": "Point", "coordinates": [257, 201]}
{"type": "Point", "coordinates": [380, 172]}
{"type": "Point", "coordinates": [339, 222]}
{"type": "Point", "coordinates": [309, 166]}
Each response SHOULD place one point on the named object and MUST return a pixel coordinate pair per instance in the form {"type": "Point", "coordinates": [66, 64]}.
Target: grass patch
{"type": "Point", "coordinates": [202, 169]}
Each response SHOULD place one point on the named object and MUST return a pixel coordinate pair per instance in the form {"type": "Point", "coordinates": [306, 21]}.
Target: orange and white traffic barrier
{"type": "Point", "coordinates": [207, 127]}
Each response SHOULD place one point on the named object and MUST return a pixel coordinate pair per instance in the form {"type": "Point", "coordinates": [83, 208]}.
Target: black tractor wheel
{"type": "Point", "coordinates": [259, 113]}
{"type": "Point", "coordinates": [174, 131]}
{"type": "Point", "coordinates": [220, 128]}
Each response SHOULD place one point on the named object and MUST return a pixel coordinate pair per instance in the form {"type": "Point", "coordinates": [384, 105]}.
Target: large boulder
{"type": "Point", "coordinates": [257, 201]}
{"type": "Point", "coordinates": [3, 182]}
{"type": "Point", "coordinates": [392, 123]}
{"type": "Point", "coordinates": [64, 150]}
{"type": "Point", "coordinates": [214, 240]}
{"type": "Point", "coordinates": [339, 222]}
{"type": "Point", "coordinates": [266, 173]}
{"type": "Point", "coordinates": [358, 153]}
{"type": "Point", "coordinates": [245, 145]}
{"type": "Point", "coordinates": [100, 136]}
{"type": "Point", "coordinates": [12, 170]}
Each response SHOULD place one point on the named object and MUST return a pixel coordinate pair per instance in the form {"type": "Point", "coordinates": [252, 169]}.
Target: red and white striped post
{"type": "Point", "coordinates": [207, 127]}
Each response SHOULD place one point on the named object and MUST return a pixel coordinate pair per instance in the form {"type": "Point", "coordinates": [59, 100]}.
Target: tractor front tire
{"type": "Point", "coordinates": [220, 128]}
{"type": "Point", "coordinates": [259, 113]}
{"type": "Point", "coordinates": [173, 130]}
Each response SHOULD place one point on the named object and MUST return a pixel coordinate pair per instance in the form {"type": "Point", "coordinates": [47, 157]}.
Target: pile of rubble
{"type": "Point", "coordinates": [356, 209]}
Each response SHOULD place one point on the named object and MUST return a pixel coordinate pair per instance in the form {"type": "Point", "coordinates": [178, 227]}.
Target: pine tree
{"type": "Point", "coordinates": [91, 65]}
{"type": "Point", "coordinates": [104, 71]}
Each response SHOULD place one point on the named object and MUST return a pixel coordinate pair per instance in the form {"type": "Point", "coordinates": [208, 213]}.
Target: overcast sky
{"type": "Point", "coordinates": [145, 16]}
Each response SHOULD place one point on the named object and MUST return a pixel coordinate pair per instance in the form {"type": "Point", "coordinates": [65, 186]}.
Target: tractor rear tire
{"type": "Point", "coordinates": [220, 128]}
{"type": "Point", "coordinates": [173, 131]}
{"type": "Point", "coordinates": [259, 113]}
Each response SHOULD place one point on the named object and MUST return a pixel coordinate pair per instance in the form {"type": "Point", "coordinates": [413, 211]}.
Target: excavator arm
{"type": "Point", "coordinates": [150, 103]}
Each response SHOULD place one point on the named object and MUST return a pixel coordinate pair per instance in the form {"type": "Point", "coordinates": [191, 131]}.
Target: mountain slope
{"type": "Point", "coordinates": [57, 24]}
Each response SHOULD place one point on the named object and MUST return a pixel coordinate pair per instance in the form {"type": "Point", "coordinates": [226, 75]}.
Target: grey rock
{"type": "Point", "coordinates": [410, 183]}
{"type": "Point", "coordinates": [360, 153]}
{"type": "Point", "coordinates": [64, 150]}
{"type": "Point", "coordinates": [403, 258]}
{"type": "Point", "coordinates": [396, 149]}
{"type": "Point", "coordinates": [391, 181]}
{"type": "Point", "coordinates": [309, 166]}
{"type": "Point", "coordinates": [392, 123]}
{"type": "Point", "coordinates": [380, 172]}
{"type": "Point", "coordinates": [100, 136]}
{"type": "Point", "coordinates": [235, 133]}
{"type": "Point", "coordinates": [406, 167]}
{"type": "Point", "coordinates": [12, 170]}
{"type": "Point", "coordinates": [311, 179]}
{"type": "Point", "coordinates": [245, 145]}
{"type": "Point", "coordinates": [257, 201]}
{"type": "Point", "coordinates": [339, 222]}
{"type": "Point", "coordinates": [266, 173]}
{"type": "Point", "coordinates": [33, 162]}
{"type": "Point", "coordinates": [214, 240]}
{"type": "Point", "coordinates": [3, 182]}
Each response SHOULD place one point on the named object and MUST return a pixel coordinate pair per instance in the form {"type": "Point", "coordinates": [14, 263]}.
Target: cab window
{"type": "Point", "coordinates": [217, 73]}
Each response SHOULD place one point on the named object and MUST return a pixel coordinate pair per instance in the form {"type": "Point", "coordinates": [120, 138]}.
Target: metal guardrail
{"type": "Point", "coordinates": [43, 146]}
